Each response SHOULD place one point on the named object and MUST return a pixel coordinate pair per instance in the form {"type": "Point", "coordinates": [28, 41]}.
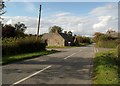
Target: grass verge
{"type": "Point", "coordinates": [84, 44]}
{"type": "Point", "coordinates": [80, 44]}
{"type": "Point", "coordinates": [105, 68]}
{"type": "Point", "coordinates": [60, 46]}
{"type": "Point", "coordinates": [20, 57]}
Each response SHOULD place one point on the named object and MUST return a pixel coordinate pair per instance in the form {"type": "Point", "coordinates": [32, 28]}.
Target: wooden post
{"type": "Point", "coordinates": [39, 22]}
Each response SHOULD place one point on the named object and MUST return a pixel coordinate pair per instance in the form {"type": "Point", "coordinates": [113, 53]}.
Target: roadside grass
{"type": "Point", "coordinates": [84, 44]}
{"type": "Point", "coordinates": [80, 44]}
{"type": "Point", "coordinates": [60, 46]}
{"type": "Point", "coordinates": [107, 44]}
{"type": "Point", "coordinates": [20, 57]}
{"type": "Point", "coordinates": [105, 70]}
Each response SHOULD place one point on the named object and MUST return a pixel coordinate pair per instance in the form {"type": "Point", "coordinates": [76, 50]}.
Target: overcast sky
{"type": "Point", "coordinates": [83, 18]}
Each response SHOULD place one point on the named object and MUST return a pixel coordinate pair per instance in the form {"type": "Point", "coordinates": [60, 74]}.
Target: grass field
{"type": "Point", "coordinates": [105, 68]}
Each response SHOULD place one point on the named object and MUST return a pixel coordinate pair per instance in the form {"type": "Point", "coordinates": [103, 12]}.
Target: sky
{"type": "Point", "coordinates": [82, 18]}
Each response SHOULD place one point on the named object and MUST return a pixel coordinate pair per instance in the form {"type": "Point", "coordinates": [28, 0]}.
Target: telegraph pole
{"type": "Point", "coordinates": [39, 22]}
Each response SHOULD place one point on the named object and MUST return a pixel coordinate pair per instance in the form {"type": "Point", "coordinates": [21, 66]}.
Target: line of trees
{"type": "Point", "coordinates": [13, 31]}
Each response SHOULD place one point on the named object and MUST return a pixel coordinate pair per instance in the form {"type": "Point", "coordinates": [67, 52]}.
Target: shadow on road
{"type": "Point", "coordinates": [75, 68]}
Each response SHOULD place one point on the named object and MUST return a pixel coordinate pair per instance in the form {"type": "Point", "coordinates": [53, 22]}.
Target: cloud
{"type": "Point", "coordinates": [9, 22]}
{"type": "Point", "coordinates": [106, 17]}
{"type": "Point", "coordinates": [109, 9]}
{"type": "Point", "coordinates": [103, 22]}
{"type": "Point", "coordinates": [99, 19]}
{"type": "Point", "coordinates": [62, 14]}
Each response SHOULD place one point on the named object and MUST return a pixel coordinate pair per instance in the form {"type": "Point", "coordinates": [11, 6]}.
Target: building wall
{"type": "Point", "coordinates": [56, 40]}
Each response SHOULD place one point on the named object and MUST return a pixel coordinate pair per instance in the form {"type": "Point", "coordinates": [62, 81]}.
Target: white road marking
{"type": "Point", "coordinates": [31, 75]}
{"type": "Point", "coordinates": [39, 71]}
{"type": "Point", "coordinates": [69, 56]}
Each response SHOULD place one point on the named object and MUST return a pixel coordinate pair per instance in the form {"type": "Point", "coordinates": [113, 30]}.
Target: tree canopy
{"type": "Point", "coordinates": [54, 29]}
{"type": "Point", "coordinates": [70, 33]}
{"type": "Point", "coordinates": [14, 31]}
{"type": "Point", "coordinates": [96, 36]}
{"type": "Point", "coordinates": [8, 31]}
{"type": "Point", "coordinates": [20, 27]}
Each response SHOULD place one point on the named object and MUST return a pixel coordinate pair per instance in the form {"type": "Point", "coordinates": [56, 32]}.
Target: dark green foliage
{"type": "Point", "coordinates": [70, 33]}
{"type": "Point", "coordinates": [20, 27]}
{"type": "Point", "coordinates": [54, 29]}
{"type": "Point", "coordinates": [8, 31]}
{"type": "Point", "coordinates": [86, 40]}
{"type": "Point", "coordinates": [83, 39]}
{"type": "Point", "coordinates": [12, 46]}
{"type": "Point", "coordinates": [13, 31]}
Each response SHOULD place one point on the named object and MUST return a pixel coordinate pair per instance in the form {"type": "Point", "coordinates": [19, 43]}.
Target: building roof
{"type": "Point", "coordinates": [66, 37]}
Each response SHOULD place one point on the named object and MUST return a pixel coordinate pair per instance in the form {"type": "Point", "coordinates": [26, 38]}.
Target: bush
{"type": "Point", "coordinates": [8, 31]}
{"type": "Point", "coordinates": [107, 44]}
{"type": "Point", "coordinates": [12, 46]}
{"type": "Point", "coordinates": [118, 52]}
{"type": "Point", "coordinates": [105, 38]}
{"type": "Point", "coordinates": [83, 39]}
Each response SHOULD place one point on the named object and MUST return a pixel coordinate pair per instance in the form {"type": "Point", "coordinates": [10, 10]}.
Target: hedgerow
{"type": "Point", "coordinates": [12, 46]}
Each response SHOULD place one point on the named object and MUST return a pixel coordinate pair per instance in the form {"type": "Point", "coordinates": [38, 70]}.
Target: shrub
{"type": "Point", "coordinates": [105, 38]}
{"type": "Point", "coordinates": [107, 44]}
{"type": "Point", "coordinates": [12, 46]}
{"type": "Point", "coordinates": [118, 51]}
{"type": "Point", "coordinates": [83, 39]}
{"type": "Point", "coordinates": [8, 31]}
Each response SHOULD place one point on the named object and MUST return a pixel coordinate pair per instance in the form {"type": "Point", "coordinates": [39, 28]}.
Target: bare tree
{"type": "Point", "coordinates": [2, 6]}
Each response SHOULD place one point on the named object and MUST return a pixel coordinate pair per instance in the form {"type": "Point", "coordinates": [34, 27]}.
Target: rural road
{"type": "Point", "coordinates": [70, 66]}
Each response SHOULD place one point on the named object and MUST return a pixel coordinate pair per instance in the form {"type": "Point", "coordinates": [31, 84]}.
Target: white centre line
{"type": "Point", "coordinates": [38, 71]}
{"type": "Point", "coordinates": [31, 75]}
{"type": "Point", "coordinates": [80, 50]}
{"type": "Point", "coordinates": [69, 56]}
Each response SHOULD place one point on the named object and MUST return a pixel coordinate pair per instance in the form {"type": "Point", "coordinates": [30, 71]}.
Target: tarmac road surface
{"type": "Point", "coordinates": [70, 66]}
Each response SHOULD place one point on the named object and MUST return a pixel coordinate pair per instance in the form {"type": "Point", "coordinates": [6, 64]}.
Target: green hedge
{"type": "Point", "coordinates": [107, 44]}
{"type": "Point", "coordinates": [13, 46]}
{"type": "Point", "coordinates": [118, 51]}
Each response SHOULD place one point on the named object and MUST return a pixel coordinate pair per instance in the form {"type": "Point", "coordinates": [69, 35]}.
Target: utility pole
{"type": "Point", "coordinates": [39, 22]}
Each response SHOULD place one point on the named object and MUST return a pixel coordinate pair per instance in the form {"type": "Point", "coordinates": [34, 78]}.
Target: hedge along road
{"type": "Point", "coordinates": [70, 66]}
